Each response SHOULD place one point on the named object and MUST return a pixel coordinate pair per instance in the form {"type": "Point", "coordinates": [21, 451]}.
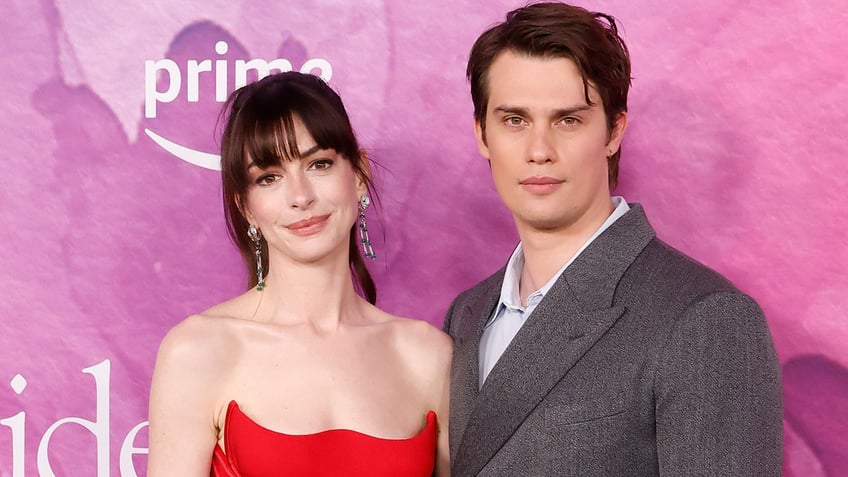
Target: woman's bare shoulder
{"type": "Point", "coordinates": [424, 332]}
{"type": "Point", "coordinates": [208, 335]}
{"type": "Point", "coordinates": [420, 339]}
{"type": "Point", "coordinates": [426, 353]}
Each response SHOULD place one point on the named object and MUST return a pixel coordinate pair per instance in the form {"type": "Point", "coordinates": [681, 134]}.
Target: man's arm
{"type": "Point", "coordinates": [718, 392]}
{"type": "Point", "coordinates": [448, 316]}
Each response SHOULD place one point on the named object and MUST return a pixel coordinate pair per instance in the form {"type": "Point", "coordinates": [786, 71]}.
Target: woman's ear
{"type": "Point", "coordinates": [363, 173]}
{"type": "Point", "coordinates": [245, 211]}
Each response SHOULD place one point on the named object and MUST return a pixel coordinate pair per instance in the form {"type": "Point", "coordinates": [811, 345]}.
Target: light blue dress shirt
{"type": "Point", "coordinates": [510, 314]}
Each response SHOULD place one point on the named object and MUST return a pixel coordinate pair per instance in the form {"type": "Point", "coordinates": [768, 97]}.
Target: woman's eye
{"type": "Point", "coordinates": [267, 179]}
{"type": "Point", "coordinates": [321, 164]}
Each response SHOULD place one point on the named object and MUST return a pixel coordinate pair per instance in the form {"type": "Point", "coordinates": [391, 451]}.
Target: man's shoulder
{"type": "Point", "coordinates": [664, 276]}
{"type": "Point", "coordinates": [483, 288]}
{"type": "Point", "coordinates": [479, 294]}
{"type": "Point", "coordinates": [677, 299]}
{"type": "Point", "coordinates": [661, 267]}
{"type": "Point", "coordinates": [679, 267]}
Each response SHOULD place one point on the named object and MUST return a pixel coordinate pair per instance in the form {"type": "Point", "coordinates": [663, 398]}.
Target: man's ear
{"type": "Point", "coordinates": [480, 132]}
{"type": "Point", "coordinates": [363, 176]}
{"type": "Point", "coordinates": [617, 132]}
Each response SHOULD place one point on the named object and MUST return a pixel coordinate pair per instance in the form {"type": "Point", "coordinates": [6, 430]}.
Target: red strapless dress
{"type": "Point", "coordinates": [254, 451]}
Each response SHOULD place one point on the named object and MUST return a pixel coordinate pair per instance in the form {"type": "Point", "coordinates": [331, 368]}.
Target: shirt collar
{"type": "Point", "coordinates": [509, 289]}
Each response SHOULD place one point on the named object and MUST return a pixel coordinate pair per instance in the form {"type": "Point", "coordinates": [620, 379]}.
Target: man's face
{"type": "Point", "coordinates": [547, 147]}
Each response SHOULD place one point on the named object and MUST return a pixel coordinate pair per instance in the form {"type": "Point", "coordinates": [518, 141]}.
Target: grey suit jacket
{"type": "Point", "coordinates": [638, 362]}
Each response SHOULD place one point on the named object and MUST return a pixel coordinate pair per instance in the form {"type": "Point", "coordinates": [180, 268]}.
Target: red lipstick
{"type": "Point", "coordinates": [309, 226]}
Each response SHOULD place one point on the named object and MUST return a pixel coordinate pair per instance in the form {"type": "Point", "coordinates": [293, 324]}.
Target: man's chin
{"type": "Point", "coordinates": [544, 223]}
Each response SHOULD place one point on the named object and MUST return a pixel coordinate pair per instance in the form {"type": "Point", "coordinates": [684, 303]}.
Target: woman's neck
{"type": "Point", "coordinates": [319, 293]}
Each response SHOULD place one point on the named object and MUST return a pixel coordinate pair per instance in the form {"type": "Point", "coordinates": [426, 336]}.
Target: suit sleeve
{"type": "Point", "coordinates": [446, 325]}
{"type": "Point", "coordinates": [718, 392]}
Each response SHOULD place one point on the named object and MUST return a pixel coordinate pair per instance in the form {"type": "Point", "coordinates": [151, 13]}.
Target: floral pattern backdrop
{"type": "Point", "coordinates": [736, 148]}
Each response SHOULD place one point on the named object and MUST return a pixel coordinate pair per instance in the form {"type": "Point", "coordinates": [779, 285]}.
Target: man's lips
{"type": "Point", "coordinates": [540, 181]}
{"type": "Point", "coordinates": [541, 185]}
{"type": "Point", "coordinates": [308, 226]}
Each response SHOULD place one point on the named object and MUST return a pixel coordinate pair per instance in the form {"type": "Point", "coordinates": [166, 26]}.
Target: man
{"type": "Point", "coordinates": [598, 350]}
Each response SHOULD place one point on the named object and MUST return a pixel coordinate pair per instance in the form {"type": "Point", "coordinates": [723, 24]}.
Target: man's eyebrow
{"type": "Point", "coordinates": [511, 110]}
{"type": "Point", "coordinates": [571, 110]}
{"type": "Point", "coordinates": [559, 112]}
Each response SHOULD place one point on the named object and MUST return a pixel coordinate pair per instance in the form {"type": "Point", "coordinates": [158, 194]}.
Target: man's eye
{"type": "Point", "coordinates": [514, 121]}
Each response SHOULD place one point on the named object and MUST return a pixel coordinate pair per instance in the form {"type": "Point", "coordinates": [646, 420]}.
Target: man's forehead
{"type": "Point", "coordinates": [505, 104]}
{"type": "Point", "coordinates": [516, 80]}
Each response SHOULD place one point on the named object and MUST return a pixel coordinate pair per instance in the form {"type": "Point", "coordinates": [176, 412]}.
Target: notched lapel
{"type": "Point", "coordinates": [551, 342]}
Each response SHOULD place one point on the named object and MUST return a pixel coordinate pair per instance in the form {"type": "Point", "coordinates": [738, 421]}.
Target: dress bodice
{"type": "Point", "coordinates": [255, 451]}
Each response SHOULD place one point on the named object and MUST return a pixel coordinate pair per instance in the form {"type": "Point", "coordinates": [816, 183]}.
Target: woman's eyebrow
{"type": "Point", "coordinates": [312, 150]}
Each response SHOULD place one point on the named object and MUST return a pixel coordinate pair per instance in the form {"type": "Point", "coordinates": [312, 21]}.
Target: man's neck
{"type": "Point", "coordinates": [546, 251]}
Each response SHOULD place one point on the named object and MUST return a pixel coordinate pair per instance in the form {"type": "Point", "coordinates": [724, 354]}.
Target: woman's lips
{"type": "Point", "coordinates": [309, 226]}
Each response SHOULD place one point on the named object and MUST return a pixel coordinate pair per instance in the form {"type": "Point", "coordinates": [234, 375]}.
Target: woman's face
{"type": "Point", "coordinates": [305, 207]}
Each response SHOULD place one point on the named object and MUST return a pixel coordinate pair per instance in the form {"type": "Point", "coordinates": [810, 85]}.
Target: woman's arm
{"type": "Point", "coordinates": [445, 353]}
{"type": "Point", "coordinates": [182, 432]}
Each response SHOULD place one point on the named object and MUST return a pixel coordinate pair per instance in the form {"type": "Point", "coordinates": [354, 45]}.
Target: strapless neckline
{"type": "Point", "coordinates": [233, 407]}
{"type": "Point", "coordinates": [253, 450]}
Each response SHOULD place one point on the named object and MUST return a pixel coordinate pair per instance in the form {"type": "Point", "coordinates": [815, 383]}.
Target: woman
{"type": "Point", "coordinates": [300, 375]}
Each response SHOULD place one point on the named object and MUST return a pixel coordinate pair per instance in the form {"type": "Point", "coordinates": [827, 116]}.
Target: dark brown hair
{"type": "Point", "coordinates": [556, 30]}
{"type": "Point", "coordinates": [260, 125]}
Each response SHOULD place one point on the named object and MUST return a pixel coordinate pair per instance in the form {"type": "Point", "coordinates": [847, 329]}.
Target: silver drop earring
{"type": "Point", "coordinates": [256, 238]}
{"type": "Point", "coordinates": [364, 202]}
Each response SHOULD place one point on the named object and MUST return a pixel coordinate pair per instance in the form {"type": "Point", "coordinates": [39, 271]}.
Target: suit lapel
{"type": "Point", "coordinates": [553, 339]}
{"type": "Point", "coordinates": [465, 370]}
{"type": "Point", "coordinates": [572, 317]}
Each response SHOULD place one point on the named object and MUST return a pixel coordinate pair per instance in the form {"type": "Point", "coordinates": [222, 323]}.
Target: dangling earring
{"type": "Point", "coordinates": [364, 202]}
{"type": "Point", "coordinates": [256, 238]}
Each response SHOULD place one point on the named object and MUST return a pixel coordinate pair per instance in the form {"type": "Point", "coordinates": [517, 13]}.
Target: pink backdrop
{"type": "Point", "coordinates": [736, 148]}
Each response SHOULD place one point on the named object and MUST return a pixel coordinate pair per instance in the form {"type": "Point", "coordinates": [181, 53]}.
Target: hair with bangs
{"type": "Point", "coordinates": [259, 124]}
{"type": "Point", "coordinates": [556, 30]}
